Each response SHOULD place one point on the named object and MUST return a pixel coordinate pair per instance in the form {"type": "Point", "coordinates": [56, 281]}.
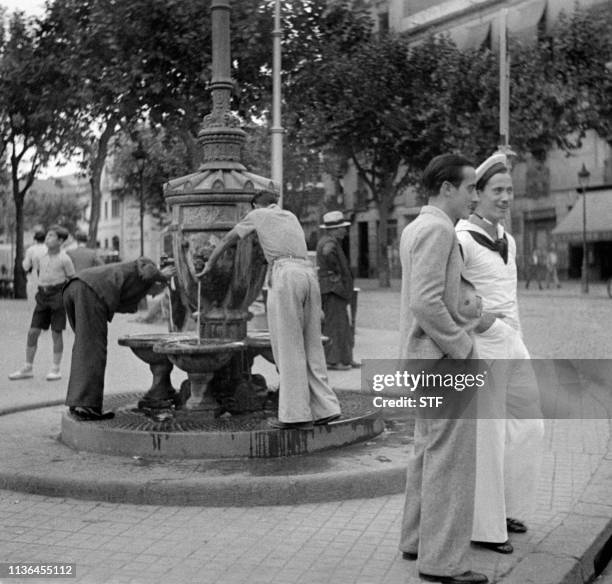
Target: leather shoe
{"type": "Point", "coordinates": [338, 367]}
{"type": "Point", "coordinates": [515, 526]}
{"type": "Point", "coordinates": [290, 425]}
{"type": "Point", "coordinates": [505, 547]}
{"type": "Point", "coordinates": [86, 414]}
{"type": "Point", "coordinates": [465, 578]}
{"type": "Point", "coordinates": [411, 556]}
{"type": "Point", "coordinates": [322, 421]}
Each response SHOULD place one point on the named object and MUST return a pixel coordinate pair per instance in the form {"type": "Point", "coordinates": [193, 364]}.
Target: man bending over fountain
{"type": "Point", "coordinates": [91, 298]}
{"type": "Point", "coordinates": [294, 313]}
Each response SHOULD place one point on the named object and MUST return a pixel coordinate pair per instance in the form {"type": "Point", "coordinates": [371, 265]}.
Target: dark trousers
{"type": "Point", "coordinates": [87, 316]}
{"type": "Point", "coordinates": [337, 327]}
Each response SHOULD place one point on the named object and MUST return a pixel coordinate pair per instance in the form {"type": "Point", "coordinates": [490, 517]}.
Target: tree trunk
{"type": "Point", "coordinates": [97, 166]}
{"type": "Point", "coordinates": [384, 279]}
{"type": "Point", "coordinates": [19, 276]}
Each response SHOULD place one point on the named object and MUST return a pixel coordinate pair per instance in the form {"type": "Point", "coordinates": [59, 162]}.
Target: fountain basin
{"type": "Point", "coordinates": [161, 394]}
{"type": "Point", "coordinates": [258, 343]}
{"type": "Point", "coordinates": [142, 344]}
{"type": "Point", "coordinates": [199, 356]}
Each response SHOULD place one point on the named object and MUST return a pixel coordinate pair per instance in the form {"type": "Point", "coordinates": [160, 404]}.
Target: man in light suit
{"type": "Point", "coordinates": [438, 511]}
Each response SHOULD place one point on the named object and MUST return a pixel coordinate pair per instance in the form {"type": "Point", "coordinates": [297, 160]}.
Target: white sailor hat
{"type": "Point", "coordinates": [334, 219]}
{"type": "Point", "coordinates": [499, 158]}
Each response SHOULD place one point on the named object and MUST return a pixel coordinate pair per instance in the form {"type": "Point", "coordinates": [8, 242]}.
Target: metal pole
{"type": "Point", "coordinates": [504, 84]}
{"type": "Point", "coordinates": [277, 130]}
{"type": "Point", "coordinates": [585, 274]}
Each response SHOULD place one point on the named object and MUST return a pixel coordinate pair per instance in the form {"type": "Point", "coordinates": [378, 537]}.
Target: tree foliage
{"type": "Point", "coordinates": [32, 127]}
{"type": "Point", "coordinates": [53, 209]}
{"type": "Point", "coordinates": [166, 158]}
{"type": "Point", "coordinates": [560, 87]}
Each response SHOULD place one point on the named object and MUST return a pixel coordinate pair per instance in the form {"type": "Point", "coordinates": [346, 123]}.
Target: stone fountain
{"type": "Point", "coordinates": [196, 423]}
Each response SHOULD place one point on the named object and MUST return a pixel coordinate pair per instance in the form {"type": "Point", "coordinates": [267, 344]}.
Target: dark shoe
{"type": "Point", "coordinates": [465, 578]}
{"type": "Point", "coordinates": [338, 367]}
{"type": "Point", "coordinates": [504, 547]}
{"type": "Point", "coordinates": [410, 556]}
{"type": "Point", "coordinates": [515, 526]}
{"type": "Point", "coordinates": [322, 421]}
{"type": "Point", "coordinates": [355, 365]}
{"type": "Point", "coordinates": [290, 425]}
{"type": "Point", "coordinates": [85, 414]}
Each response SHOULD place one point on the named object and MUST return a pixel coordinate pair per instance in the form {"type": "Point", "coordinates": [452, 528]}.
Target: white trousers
{"type": "Point", "coordinates": [509, 435]}
{"type": "Point", "coordinates": [294, 319]}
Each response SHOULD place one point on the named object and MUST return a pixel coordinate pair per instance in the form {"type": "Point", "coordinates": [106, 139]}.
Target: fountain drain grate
{"type": "Point", "coordinates": [353, 404]}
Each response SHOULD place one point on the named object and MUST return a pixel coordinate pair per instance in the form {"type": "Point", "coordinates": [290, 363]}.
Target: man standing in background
{"type": "Point", "coordinates": [336, 282]}
{"type": "Point", "coordinates": [83, 257]}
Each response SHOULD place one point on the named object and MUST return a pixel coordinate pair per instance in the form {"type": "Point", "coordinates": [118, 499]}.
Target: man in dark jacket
{"type": "Point", "coordinates": [91, 299]}
{"type": "Point", "coordinates": [82, 256]}
{"type": "Point", "coordinates": [336, 282]}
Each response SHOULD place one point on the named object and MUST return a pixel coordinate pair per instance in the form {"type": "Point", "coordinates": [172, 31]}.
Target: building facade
{"type": "Point", "coordinates": [119, 225]}
{"type": "Point", "coordinates": [545, 191]}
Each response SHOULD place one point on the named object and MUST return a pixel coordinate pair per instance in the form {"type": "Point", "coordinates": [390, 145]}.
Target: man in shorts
{"type": "Point", "coordinates": [53, 268]}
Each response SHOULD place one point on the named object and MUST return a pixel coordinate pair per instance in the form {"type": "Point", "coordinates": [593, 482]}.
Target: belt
{"type": "Point", "coordinates": [52, 288]}
{"type": "Point", "coordinates": [289, 258]}
{"type": "Point", "coordinates": [284, 259]}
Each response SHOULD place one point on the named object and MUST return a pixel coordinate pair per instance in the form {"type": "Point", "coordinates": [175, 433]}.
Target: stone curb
{"type": "Point", "coordinates": [568, 555]}
{"type": "Point", "coordinates": [217, 491]}
{"type": "Point", "coordinates": [581, 547]}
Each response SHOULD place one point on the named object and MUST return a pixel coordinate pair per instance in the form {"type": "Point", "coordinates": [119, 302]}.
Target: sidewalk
{"type": "Point", "coordinates": [344, 542]}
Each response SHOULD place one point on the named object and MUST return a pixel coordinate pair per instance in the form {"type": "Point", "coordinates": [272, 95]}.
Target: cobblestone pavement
{"type": "Point", "coordinates": [344, 542]}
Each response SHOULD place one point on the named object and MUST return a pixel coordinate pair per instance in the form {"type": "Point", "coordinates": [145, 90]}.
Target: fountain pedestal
{"type": "Point", "coordinates": [199, 359]}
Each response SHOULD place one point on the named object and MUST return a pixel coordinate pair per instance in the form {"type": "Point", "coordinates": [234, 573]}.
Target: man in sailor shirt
{"type": "Point", "coordinates": [509, 423]}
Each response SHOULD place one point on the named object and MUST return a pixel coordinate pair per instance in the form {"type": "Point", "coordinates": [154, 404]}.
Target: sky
{"type": "Point", "coordinates": [36, 8]}
{"type": "Point", "coordinates": [30, 7]}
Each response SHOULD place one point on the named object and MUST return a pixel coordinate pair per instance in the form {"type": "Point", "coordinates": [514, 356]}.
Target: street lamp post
{"type": "Point", "coordinates": [140, 156]}
{"type": "Point", "coordinates": [583, 182]}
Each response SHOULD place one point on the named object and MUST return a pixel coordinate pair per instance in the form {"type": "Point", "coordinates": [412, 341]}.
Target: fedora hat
{"type": "Point", "coordinates": [334, 219]}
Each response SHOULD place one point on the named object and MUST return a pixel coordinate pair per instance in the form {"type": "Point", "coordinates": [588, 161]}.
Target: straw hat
{"type": "Point", "coordinates": [334, 219]}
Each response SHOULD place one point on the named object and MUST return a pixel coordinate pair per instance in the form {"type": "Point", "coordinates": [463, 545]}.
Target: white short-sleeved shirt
{"type": "Point", "coordinates": [279, 232]}
{"type": "Point", "coordinates": [495, 281]}
{"type": "Point", "coordinates": [53, 269]}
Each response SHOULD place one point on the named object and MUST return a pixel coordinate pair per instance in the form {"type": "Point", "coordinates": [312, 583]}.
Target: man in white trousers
{"type": "Point", "coordinates": [294, 313]}
{"type": "Point", "coordinates": [510, 429]}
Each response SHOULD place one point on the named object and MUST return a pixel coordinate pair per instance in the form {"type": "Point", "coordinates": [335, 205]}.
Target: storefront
{"type": "Point", "coordinates": [598, 231]}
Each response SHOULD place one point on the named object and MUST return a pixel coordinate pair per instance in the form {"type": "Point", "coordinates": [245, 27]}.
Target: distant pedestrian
{"type": "Point", "coordinates": [37, 249]}
{"type": "Point", "coordinates": [336, 283]}
{"type": "Point", "coordinates": [294, 313]}
{"type": "Point", "coordinates": [53, 269]}
{"type": "Point", "coordinates": [439, 506]}
{"type": "Point", "coordinates": [92, 297]}
{"type": "Point", "coordinates": [534, 269]}
{"type": "Point", "coordinates": [83, 257]}
{"type": "Point", "coordinates": [552, 261]}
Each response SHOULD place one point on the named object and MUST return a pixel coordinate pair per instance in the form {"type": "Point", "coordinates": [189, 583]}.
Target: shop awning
{"type": "Point", "coordinates": [598, 219]}
{"type": "Point", "coordinates": [525, 16]}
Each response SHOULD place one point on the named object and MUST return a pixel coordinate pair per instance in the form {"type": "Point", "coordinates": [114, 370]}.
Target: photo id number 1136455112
{"type": "Point", "coordinates": [37, 570]}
